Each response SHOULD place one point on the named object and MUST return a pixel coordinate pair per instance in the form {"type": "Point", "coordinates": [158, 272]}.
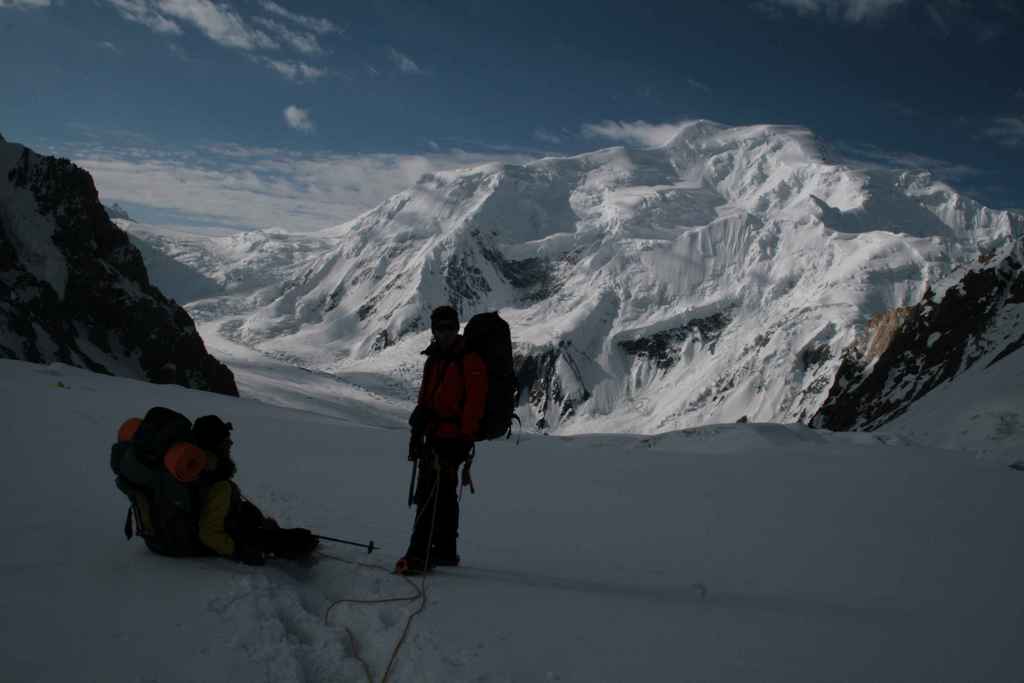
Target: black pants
{"type": "Point", "coordinates": [437, 499]}
{"type": "Point", "coordinates": [249, 526]}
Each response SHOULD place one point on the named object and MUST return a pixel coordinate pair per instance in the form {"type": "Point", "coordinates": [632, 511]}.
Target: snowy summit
{"type": "Point", "coordinates": [716, 276]}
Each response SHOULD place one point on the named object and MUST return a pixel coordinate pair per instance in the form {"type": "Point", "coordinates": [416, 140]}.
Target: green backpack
{"type": "Point", "coordinates": [163, 511]}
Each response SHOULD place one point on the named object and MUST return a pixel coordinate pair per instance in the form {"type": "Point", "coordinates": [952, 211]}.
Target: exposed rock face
{"type": "Point", "coordinates": [73, 289]}
{"type": "Point", "coordinates": [663, 348]}
{"type": "Point", "coordinates": [116, 211]}
{"type": "Point", "coordinates": [552, 383]}
{"type": "Point", "coordinates": [975, 317]}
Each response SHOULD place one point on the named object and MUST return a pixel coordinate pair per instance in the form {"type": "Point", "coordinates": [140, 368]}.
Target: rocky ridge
{"type": "Point", "coordinates": [974, 318]}
{"type": "Point", "coordinates": [73, 289]}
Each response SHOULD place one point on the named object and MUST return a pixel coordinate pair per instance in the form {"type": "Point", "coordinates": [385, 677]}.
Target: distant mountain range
{"type": "Point", "coordinates": [73, 289]}
{"type": "Point", "coordinates": [724, 275]}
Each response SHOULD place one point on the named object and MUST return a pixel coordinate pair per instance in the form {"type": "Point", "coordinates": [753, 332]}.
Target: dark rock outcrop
{"type": "Point", "coordinates": [663, 348]}
{"type": "Point", "coordinates": [73, 289]}
{"type": "Point", "coordinates": [910, 351]}
{"type": "Point", "coordinates": [550, 381]}
{"type": "Point", "coordinates": [117, 211]}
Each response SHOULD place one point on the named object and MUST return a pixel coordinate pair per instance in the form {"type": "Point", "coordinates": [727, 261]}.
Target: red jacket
{"type": "Point", "coordinates": [454, 389]}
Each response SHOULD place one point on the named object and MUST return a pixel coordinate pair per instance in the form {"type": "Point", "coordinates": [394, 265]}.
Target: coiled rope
{"type": "Point", "coordinates": [420, 595]}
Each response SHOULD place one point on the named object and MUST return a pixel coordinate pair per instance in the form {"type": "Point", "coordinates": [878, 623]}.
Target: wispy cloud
{"type": "Point", "coordinates": [853, 11]}
{"type": "Point", "coordinates": [1019, 94]}
{"type": "Point", "coordinates": [546, 136]}
{"type": "Point", "coordinates": [219, 22]}
{"type": "Point", "coordinates": [144, 12]}
{"type": "Point", "coordinates": [107, 45]}
{"type": "Point", "coordinates": [694, 83]}
{"type": "Point", "coordinates": [317, 25]}
{"type": "Point", "coordinates": [295, 71]}
{"type": "Point", "coordinates": [24, 4]}
{"type": "Point", "coordinates": [869, 156]}
{"type": "Point", "coordinates": [306, 43]}
{"type": "Point", "coordinates": [937, 19]}
{"type": "Point", "coordinates": [179, 52]}
{"type": "Point", "coordinates": [298, 119]}
{"type": "Point", "coordinates": [243, 187]}
{"type": "Point", "coordinates": [403, 62]}
{"type": "Point", "coordinates": [1007, 131]}
{"type": "Point", "coordinates": [632, 132]}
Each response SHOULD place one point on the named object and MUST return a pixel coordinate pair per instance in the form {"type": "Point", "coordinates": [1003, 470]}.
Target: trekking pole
{"type": "Point", "coordinates": [369, 547]}
{"type": "Point", "coordinates": [412, 482]}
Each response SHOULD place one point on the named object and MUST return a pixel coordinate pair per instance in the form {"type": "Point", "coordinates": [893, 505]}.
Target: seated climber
{"type": "Point", "coordinates": [230, 525]}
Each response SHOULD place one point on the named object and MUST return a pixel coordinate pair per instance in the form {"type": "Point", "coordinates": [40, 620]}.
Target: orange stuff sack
{"type": "Point", "coordinates": [185, 461]}
{"type": "Point", "coordinates": [127, 430]}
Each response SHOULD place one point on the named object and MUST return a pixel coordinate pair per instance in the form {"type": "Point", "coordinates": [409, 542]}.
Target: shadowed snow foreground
{"type": "Point", "coordinates": [826, 557]}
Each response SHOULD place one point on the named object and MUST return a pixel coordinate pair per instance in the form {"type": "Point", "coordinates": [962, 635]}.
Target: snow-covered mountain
{"type": "Point", "coordinates": [716, 277]}
{"type": "Point", "coordinates": [971, 321]}
{"type": "Point", "coordinates": [73, 289]}
{"type": "Point", "coordinates": [239, 272]}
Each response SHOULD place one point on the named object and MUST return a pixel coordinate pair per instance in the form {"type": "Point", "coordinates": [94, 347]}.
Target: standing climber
{"type": "Point", "coordinates": [445, 422]}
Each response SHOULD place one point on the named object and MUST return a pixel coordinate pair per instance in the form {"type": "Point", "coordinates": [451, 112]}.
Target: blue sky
{"type": "Point", "coordinates": [302, 113]}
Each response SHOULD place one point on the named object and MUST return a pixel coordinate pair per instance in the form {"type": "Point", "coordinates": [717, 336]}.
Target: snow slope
{"type": "Point", "coordinates": [826, 557]}
{"type": "Point", "coordinates": [981, 412]}
{"type": "Point", "coordinates": [716, 277]}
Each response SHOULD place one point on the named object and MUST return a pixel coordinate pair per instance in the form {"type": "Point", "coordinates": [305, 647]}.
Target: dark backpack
{"type": "Point", "coordinates": [163, 511]}
{"type": "Point", "coordinates": [161, 428]}
{"type": "Point", "coordinates": [489, 336]}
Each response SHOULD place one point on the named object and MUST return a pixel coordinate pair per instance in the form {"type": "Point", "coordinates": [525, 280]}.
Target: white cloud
{"type": "Point", "coordinates": [869, 156]}
{"type": "Point", "coordinates": [854, 11]}
{"type": "Point", "coordinates": [24, 4]}
{"type": "Point", "coordinates": [1007, 131]}
{"type": "Point", "coordinates": [179, 52]}
{"type": "Point", "coordinates": [107, 45]}
{"type": "Point", "coordinates": [314, 24]}
{"type": "Point", "coordinates": [242, 187]}
{"type": "Point", "coordinates": [298, 119]}
{"type": "Point", "coordinates": [937, 19]}
{"type": "Point", "coordinates": [404, 63]}
{"type": "Point", "coordinates": [546, 136]}
{"type": "Point", "coordinates": [633, 133]}
{"type": "Point", "coordinates": [295, 71]}
{"type": "Point", "coordinates": [219, 22]}
{"type": "Point", "coordinates": [306, 43]}
{"type": "Point", "coordinates": [144, 12]}
{"type": "Point", "coordinates": [694, 83]}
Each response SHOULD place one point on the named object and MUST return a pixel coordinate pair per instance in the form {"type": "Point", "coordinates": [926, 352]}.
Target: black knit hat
{"type": "Point", "coordinates": [209, 432]}
{"type": "Point", "coordinates": [444, 314]}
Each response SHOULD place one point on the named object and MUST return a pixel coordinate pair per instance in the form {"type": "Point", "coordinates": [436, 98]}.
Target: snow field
{"type": "Point", "coordinates": [827, 557]}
